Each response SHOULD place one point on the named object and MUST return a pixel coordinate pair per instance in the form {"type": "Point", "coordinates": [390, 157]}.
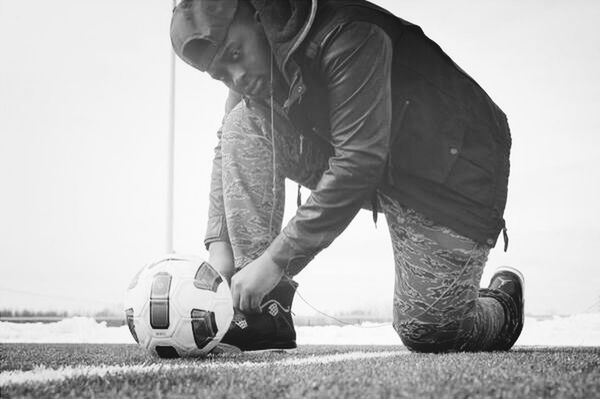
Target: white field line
{"type": "Point", "coordinates": [44, 374]}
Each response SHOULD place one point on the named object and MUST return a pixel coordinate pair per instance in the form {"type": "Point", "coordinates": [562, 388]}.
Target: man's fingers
{"type": "Point", "coordinates": [235, 295]}
{"type": "Point", "coordinates": [245, 295]}
{"type": "Point", "coordinates": [249, 303]}
{"type": "Point", "coordinates": [245, 303]}
{"type": "Point", "coordinates": [255, 304]}
{"type": "Point", "coordinates": [241, 299]}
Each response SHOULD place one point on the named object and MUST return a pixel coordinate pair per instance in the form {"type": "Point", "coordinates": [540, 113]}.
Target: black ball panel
{"type": "Point", "coordinates": [129, 318]}
{"type": "Point", "coordinates": [166, 352]}
{"type": "Point", "coordinates": [204, 327]}
{"type": "Point", "coordinates": [207, 278]}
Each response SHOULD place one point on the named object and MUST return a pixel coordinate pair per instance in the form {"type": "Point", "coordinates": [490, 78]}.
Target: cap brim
{"type": "Point", "coordinates": [199, 52]}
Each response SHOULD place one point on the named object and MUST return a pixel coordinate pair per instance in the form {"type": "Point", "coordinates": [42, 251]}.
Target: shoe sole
{"type": "Point", "coordinates": [269, 346]}
{"type": "Point", "coordinates": [227, 349]}
{"type": "Point", "coordinates": [259, 351]}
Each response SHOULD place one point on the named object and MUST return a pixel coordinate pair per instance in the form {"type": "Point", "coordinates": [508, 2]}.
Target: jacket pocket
{"type": "Point", "coordinates": [427, 143]}
{"type": "Point", "coordinates": [474, 173]}
{"type": "Point", "coordinates": [471, 181]}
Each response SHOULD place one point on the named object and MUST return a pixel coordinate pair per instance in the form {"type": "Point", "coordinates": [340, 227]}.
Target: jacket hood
{"type": "Point", "coordinates": [286, 24]}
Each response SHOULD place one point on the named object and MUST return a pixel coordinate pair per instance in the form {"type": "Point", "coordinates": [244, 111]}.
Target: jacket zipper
{"type": "Point", "coordinates": [403, 111]}
{"type": "Point", "coordinates": [303, 34]}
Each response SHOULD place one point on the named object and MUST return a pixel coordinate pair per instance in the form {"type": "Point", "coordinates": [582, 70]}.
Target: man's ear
{"type": "Point", "coordinates": [256, 17]}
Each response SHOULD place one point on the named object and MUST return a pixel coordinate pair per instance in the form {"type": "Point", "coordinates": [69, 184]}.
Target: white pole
{"type": "Point", "coordinates": [171, 155]}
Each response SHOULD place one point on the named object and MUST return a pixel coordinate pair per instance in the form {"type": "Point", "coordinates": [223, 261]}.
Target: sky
{"type": "Point", "coordinates": [84, 100]}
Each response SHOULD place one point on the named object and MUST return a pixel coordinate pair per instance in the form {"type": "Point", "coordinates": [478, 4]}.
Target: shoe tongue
{"type": "Point", "coordinates": [282, 293]}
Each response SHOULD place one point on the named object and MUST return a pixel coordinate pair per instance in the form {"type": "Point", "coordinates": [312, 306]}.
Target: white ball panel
{"type": "Point", "coordinates": [184, 296]}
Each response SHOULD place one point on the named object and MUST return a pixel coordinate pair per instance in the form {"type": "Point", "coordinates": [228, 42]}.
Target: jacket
{"type": "Point", "coordinates": [402, 118]}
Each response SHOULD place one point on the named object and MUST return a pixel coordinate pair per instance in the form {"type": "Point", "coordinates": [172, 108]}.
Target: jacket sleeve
{"type": "Point", "coordinates": [216, 229]}
{"type": "Point", "coordinates": [356, 63]}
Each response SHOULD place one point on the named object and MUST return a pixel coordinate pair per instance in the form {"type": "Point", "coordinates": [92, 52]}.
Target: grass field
{"type": "Point", "coordinates": [103, 371]}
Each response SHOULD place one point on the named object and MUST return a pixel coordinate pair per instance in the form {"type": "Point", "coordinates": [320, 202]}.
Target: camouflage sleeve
{"type": "Point", "coordinates": [216, 229]}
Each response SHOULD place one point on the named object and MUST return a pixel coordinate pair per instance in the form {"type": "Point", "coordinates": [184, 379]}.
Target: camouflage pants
{"type": "Point", "coordinates": [437, 302]}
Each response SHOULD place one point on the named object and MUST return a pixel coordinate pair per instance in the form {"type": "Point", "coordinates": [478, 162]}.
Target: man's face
{"type": "Point", "coordinates": [243, 62]}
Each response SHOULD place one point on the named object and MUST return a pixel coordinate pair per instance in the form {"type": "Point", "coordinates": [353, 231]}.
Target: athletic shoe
{"type": "Point", "coordinates": [508, 285]}
{"type": "Point", "coordinates": [272, 328]}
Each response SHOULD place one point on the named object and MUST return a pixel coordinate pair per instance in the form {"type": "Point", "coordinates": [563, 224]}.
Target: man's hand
{"type": "Point", "coordinates": [220, 256]}
{"type": "Point", "coordinates": [253, 282]}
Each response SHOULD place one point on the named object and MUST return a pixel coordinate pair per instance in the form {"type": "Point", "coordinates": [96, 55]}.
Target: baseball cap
{"type": "Point", "coordinates": [199, 27]}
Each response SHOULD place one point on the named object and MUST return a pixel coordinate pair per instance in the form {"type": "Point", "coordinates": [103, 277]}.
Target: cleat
{"type": "Point", "coordinates": [507, 285]}
{"type": "Point", "coordinates": [270, 330]}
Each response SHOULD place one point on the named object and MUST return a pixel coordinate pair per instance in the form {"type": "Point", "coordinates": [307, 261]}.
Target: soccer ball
{"type": "Point", "coordinates": [179, 306]}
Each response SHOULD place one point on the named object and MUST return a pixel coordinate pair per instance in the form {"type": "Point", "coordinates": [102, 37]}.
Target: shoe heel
{"type": "Point", "coordinates": [512, 270]}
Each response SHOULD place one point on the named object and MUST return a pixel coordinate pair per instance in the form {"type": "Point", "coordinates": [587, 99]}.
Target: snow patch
{"type": "Point", "coordinates": [575, 330]}
{"type": "Point", "coordinates": [70, 330]}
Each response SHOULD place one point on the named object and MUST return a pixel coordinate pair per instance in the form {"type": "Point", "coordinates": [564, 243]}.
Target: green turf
{"type": "Point", "coordinates": [524, 372]}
